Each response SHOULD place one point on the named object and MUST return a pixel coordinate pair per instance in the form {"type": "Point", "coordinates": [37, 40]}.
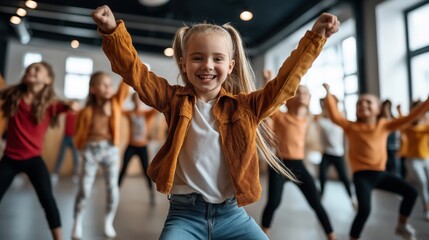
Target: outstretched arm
{"type": "Point", "coordinates": [124, 59]}
{"type": "Point", "coordinates": [405, 121]}
{"type": "Point", "coordinates": [283, 87]}
{"type": "Point", "coordinates": [332, 108]}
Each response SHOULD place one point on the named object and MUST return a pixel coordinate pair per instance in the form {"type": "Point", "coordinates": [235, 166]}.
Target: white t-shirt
{"type": "Point", "coordinates": [332, 137]}
{"type": "Point", "coordinates": [201, 165]}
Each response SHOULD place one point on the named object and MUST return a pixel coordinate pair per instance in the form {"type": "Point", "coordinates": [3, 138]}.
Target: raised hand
{"type": "Point", "coordinates": [326, 25]}
{"type": "Point", "coordinates": [105, 19]}
{"type": "Point", "coordinates": [326, 86]}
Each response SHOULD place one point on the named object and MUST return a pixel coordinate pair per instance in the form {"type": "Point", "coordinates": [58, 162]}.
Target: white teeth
{"type": "Point", "coordinates": [204, 77]}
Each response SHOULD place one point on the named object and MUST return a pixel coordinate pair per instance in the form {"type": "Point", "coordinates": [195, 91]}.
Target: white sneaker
{"type": "Point", "coordinates": [77, 230]}
{"type": "Point", "coordinates": [406, 231]}
{"type": "Point", "coordinates": [109, 230]}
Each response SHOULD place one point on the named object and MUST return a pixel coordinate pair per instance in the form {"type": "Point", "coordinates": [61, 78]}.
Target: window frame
{"type": "Point", "coordinates": [410, 54]}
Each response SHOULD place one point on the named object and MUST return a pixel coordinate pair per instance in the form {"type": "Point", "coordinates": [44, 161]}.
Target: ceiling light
{"type": "Point", "coordinates": [246, 15]}
{"type": "Point", "coordinates": [21, 12]}
{"type": "Point", "coordinates": [74, 44]}
{"type": "Point", "coordinates": [169, 52]}
{"type": "Point", "coordinates": [153, 3]}
{"type": "Point", "coordinates": [31, 4]}
{"type": "Point", "coordinates": [15, 20]}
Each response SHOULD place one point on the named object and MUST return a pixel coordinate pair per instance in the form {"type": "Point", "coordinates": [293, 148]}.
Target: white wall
{"type": "Point", "coordinates": [391, 43]}
{"type": "Point", "coordinates": [56, 53]}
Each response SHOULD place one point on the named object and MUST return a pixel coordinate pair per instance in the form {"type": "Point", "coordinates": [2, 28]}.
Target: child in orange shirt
{"type": "Point", "coordinates": [367, 139]}
{"type": "Point", "coordinates": [290, 128]}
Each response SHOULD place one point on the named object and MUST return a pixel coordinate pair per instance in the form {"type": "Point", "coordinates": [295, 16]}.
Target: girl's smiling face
{"type": "Point", "coordinates": [367, 107]}
{"type": "Point", "coordinates": [207, 63]}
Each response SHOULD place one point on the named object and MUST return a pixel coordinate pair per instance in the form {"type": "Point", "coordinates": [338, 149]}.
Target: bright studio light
{"type": "Point", "coordinates": [74, 44]}
{"type": "Point", "coordinates": [21, 12]}
{"type": "Point", "coordinates": [246, 15]}
{"type": "Point", "coordinates": [169, 52]}
{"type": "Point", "coordinates": [15, 20]}
{"type": "Point", "coordinates": [31, 4]}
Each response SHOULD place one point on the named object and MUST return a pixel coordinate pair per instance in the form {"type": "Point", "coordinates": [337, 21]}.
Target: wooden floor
{"type": "Point", "coordinates": [21, 217]}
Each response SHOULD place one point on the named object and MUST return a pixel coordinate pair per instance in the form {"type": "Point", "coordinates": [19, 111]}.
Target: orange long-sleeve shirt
{"type": "Point", "coordinates": [367, 143]}
{"type": "Point", "coordinates": [418, 136]}
{"type": "Point", "coordinates": [290, 132]}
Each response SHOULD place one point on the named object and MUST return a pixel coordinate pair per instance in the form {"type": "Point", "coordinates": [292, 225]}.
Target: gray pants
{"type": "Point", "coordinates": [94, 154]}
{"type": "Point", "coordinates": [419, 169]}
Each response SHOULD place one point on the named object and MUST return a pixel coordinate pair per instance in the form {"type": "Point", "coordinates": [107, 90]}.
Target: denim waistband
{"type": "Point", "coordinates": [193, 198]}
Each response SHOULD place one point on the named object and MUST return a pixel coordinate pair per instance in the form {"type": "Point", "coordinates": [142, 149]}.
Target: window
{"type": "Point", "coordinates": [418, 30]}
{"type": "Point", "coordinates": [337, 66]}
{"type": "Point", "coordinates": [30, 58]}
{"type": "Point", "coordinates": [78, 73]}
{"type": "Point", "coordinates": [416, 19]}
{"type": "Point", "coordinates": [420, 73]}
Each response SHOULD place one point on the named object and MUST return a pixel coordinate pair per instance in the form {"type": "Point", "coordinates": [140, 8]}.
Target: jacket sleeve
{"type": "Point", "coordinates": [266, 101]}
{"type": "Point", "coordinates": [153, 90]}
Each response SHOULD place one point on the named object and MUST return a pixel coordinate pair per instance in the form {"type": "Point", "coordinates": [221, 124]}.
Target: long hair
{"type": "Point", "coordinates": [240, 80]}
{"type": "Point", "coordinates": [92, 100]}
{"type": "Point", "coordinates": [12, 96]}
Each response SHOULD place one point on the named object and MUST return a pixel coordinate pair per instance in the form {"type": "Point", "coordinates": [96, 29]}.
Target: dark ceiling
{"type": "Point", "coordinates": [153, 28]}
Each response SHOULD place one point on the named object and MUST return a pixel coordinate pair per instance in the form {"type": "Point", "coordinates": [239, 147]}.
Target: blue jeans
{"type": "Point", "coordinates": [190, 217]}
{"type": "Point", "coordinates": [67, 142]}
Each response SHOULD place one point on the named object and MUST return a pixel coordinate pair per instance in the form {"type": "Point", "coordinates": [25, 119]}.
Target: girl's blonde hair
{"type": "Point", "coordinates": [13, 95]}
{"type": "Point", "coordinates": [93, 80]}
{"type": "Point", "coordinates": [241, 79]}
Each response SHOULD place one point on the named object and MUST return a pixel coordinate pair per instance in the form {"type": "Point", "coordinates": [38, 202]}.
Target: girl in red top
{"type": "Point", "coordinates": [30, 108]}
{"type": "Point", "coordinates": [367, 139]}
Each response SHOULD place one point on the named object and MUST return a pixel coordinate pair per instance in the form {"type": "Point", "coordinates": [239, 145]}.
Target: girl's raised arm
{"type": "Point", "coordinates": [105, 19]}
{"type": "Point", "coordinates": [118, 47]}
{"type": "Point", "coordinates": [332, 109]}
{"type": "Point", "coordinates": [405, 121]}
{"type": "Point", "coordinates": [283, 87]}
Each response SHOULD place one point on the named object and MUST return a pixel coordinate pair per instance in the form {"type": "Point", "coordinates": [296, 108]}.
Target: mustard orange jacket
{"type": "Point", "coordinates": [84, 119]}
{"type": "Point", "coordinates": [237, 116]}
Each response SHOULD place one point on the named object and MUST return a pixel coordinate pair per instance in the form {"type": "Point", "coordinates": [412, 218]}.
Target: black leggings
{"type": "Point", "coordinates": [365, 181]}
{"type": "Point", "coordinates": [307, 187]}
{"type": "Point", "coordinates": [38, 174]}
{"type": "Point", "coordinates": [141, 152]}
{"type": "Point", "coordinates": [338, 163]}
